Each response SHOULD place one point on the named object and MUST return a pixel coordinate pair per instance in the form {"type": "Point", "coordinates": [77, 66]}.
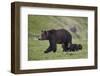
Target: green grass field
{"type": "Point", "coordinates": [36, 48]}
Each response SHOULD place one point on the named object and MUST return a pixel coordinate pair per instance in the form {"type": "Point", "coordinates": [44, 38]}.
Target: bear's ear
{"type": "Point", "coordinates": [43, 30]}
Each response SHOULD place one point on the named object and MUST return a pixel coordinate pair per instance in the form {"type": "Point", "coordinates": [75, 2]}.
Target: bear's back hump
{"type": "Point", "coordinates": [62, 33]}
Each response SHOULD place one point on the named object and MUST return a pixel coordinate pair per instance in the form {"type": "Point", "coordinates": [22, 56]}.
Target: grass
{"type": "Point", "coordinates": [36, 47]}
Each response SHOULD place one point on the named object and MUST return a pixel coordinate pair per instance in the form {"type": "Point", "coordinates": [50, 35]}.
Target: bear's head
{"type": "Point", "coordinates": [44, 35]}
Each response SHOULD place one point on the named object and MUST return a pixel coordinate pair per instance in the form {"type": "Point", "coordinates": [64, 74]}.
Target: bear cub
{"type": "Point", "coordinates": [75, 47]}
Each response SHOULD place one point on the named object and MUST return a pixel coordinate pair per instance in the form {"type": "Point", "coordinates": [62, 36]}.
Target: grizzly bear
{"type": "Point", "coordinates": [60, 36]}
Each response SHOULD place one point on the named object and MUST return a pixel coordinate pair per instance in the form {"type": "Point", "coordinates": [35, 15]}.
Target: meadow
{"type": "Point", "coordinates": [77, 26]}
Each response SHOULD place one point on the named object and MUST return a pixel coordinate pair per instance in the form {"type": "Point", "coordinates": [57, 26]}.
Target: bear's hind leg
{"type": "Point", "coordinates": [65, 47]}
{"type": "Point", "coordinates": [54, 50]}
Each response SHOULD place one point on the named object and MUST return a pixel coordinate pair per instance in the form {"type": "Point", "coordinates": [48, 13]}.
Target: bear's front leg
{"type": "Point", "coordinates": [48, 50]}
{"type": "Point", "coordinates": [52, 46]}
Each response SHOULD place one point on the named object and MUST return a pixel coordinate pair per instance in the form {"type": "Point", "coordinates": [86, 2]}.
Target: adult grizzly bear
{"type": "Point", "coordinates": [60, 36]}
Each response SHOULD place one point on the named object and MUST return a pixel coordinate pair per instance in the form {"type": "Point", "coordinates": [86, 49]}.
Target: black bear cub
{"type": "Point", "coordinates": [75, 47]}
{"type": "Point", "coordinates": [60, 36]}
